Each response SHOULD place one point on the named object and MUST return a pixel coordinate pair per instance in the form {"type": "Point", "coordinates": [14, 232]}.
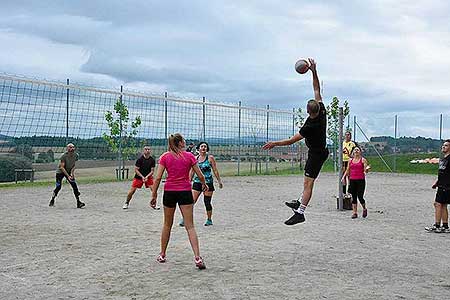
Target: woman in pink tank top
{"type": "Point", "coordinates": [356, 170]}
{"type": "Point", "coordinates": [177, 189]}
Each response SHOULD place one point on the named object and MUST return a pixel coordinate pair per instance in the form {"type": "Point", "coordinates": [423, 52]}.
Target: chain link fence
{"type": "Point", "coordinates": [38, 118]}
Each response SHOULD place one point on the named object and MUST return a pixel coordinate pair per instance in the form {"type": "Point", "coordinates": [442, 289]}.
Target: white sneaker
{"type": "Point", "coordinates": [125, 206]}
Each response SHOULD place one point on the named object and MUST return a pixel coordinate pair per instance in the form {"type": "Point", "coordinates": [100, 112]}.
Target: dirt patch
{"type": "Point", "coordinates": [104, 252]}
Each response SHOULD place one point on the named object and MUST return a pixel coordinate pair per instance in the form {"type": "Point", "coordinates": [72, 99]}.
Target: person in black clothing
{"type": "Point", "coordinates": [314, 132]}
{"type": "Point", "coordinates": [443, 192]}
{"type": "Point", "coordinates": [144, 167]}
{"type": "Point", "coordinates": [191, 148]}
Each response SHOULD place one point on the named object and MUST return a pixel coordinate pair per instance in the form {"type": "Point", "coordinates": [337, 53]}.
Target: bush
{"type": "Point", "coordinates": [10, 162]}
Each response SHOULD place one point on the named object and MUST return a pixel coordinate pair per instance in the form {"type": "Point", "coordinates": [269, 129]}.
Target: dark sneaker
{"type": "Point", "coordinates": [433, 228]}
{"type": "Point", "coordinates": [354, 216]}
{"type": "Point", "coordinates": [80, 204]}
{"type": "Point", "coordinates": [52, 202]}
{"type": "Point", "coordinates": [199, 263]}
{"type": "Point", "coordinates": [365, 213]}
{"type": "Point", "coordinates": [296, 218]}
{"type": "Point", "coordinates": [294, 204]}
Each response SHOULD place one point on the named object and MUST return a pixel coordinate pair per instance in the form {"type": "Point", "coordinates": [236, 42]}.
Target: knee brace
{"type": "Point", "coordinates": [207, 200]}
{"type": "Point", "coordinates": [57, 188]}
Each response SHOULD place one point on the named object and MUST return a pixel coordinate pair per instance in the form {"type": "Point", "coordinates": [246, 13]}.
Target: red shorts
{"type": "Point", "coordinates": [138, 182]}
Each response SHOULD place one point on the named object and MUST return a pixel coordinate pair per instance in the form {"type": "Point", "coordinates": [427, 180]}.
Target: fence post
{"type": "Point", "coordinates": [166, 134]}
{"type": "Point", "coordinates": [67, 112]}
{"type": "Point", "coordinates": [204, 120]}
{"type": "Point", "coordinates": [395, 144]}
{"type": "Point", "coordinates": [239, 140]}
{"type": "Point", "coordinates": [120, 136]}
{"type": "Point", "coordinates": [341, 129]}
{"type": "Point", "coordinates": [440, 128]}
{"type": "Point", "coordinates": [267, 138]}
{"type": "Point", "coordinates": [293, 145]}
{"type": "Point", "coordinates": [354, 128]}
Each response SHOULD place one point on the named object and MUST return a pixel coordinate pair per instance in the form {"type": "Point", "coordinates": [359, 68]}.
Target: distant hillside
{"type": "Point", "coordinates": [409, 144]}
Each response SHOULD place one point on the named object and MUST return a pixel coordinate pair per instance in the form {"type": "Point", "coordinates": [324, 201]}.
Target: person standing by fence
{"type": "Point", "coordinates": [66, 169]}
{"type": "Point", "coordinates": [347, 148]}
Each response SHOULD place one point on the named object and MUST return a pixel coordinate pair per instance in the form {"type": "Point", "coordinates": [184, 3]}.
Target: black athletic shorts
{"type": "Point", "coordinates": [171, 198]}
{"type": "Point", "coordinates": [197, 186]}
{"type": "Point", "coordinates": [443, 196]}
{"type": "Point", "coordinates": [314, 163]}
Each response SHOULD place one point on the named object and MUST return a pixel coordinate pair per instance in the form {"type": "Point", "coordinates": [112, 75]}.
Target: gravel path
{"type": "Point", "coordinates": [104, 252]}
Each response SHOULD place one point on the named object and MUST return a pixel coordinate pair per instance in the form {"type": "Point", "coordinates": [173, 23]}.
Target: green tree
{"type": "Point", "coordinates": [333, 124]}
{"type": "Point", "coordinates": [299, 121]}
{"type": "Point", "coordinates": [121, 136]}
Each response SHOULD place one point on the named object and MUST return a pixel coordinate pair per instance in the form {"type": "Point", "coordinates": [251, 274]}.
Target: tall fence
{"type": "Point", "coordinates": [38, 118]}
{"type": "Point", "coordinates": [401, 140]}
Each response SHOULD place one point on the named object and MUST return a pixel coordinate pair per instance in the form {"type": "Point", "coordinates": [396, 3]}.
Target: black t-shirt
{"type": "Point", "coordinates": [145, 165]}
{"type": "Point", "coordinates": [315, 131]}
{"type": "Point", "coordinates": [444, 173]}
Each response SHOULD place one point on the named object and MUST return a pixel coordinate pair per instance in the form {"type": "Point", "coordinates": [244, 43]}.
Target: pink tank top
{"type": "Point", "coordinates": [356, 170]}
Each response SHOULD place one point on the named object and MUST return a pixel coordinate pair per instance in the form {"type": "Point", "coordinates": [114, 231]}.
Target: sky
{"type": "Point", "coordinates": [384, 57]}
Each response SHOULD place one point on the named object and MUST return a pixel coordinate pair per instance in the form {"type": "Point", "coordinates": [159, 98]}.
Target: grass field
{"type": "Point", "coordinates": [104, 171]}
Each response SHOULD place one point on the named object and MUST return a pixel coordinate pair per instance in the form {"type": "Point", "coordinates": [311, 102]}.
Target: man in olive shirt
{"type": "Point", "coordinates": [66, 169]}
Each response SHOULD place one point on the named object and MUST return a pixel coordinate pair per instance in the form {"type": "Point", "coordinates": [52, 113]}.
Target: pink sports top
{"type": "Point", "coordinates": [356, 170]}
{"type": "Point", "coordinates": [177, 167]}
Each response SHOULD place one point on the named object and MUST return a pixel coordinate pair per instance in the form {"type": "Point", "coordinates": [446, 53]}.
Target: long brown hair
{"type": "Point", "coordinates": [174, 142]}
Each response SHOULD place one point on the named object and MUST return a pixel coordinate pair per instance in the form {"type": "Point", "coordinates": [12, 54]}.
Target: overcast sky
{"type": "Point", "coordinates": [385, 57]}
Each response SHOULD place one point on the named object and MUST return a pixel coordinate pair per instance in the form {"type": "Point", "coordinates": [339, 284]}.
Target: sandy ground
{"type": "Point", "coordinates": [104, 252]}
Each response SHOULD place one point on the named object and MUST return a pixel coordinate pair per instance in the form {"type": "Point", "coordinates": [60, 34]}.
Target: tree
{"type": "Point", "coordinates": [333, 124]}
{"type": "Point", "coordinates": [121, 136]}
{"type": "Point", "coordinates": [299, 121]}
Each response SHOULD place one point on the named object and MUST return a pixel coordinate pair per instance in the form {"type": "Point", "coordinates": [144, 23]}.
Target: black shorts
{"type": "Point", "coordinates": [443, 196]}
{"type": "Point", "coordinates": [171, 198]}
{"type": "Point", "coordinates": [197, 186]}
{"type": "Point", "coordinates": [314, 163]}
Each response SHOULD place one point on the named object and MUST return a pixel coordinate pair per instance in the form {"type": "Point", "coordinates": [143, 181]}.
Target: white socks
{"type": "Point", "coordinates": [301, 209]}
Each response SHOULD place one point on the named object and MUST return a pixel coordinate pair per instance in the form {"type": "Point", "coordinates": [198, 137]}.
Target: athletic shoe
{"type": "Point", "coordinates": [181, 223]}
{"type": "Point", "coordinates": [296, 218]}
{"type": "Point", "coordinates": [208, 222]}
{"type": "Point", "coordinates": [125, 206]}
{"type": "Point", "coordinates": [199, 263]}
{"type": "Point", "coordinates": [433, 228]}
{"type": "Point", "coordinates": [445, 230]}
{"type": "Point", "coordinates": [52, 202]}
{"type": "Point", "coordinates": [80, 204]}
{"type": "Point", "coordinates": [364, 213]}
{"type": "Point", "coordinates": [354, 216]}
{"type": "Point", "coordinates": [294, 204]}
{"type": "Point", "coordinates": [161, 258]}
{"type": "Point", "coordinates": [155, 207]}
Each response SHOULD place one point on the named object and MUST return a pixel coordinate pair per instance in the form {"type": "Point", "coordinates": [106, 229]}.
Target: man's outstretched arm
{"type": "Point", "coordinates": [316, 84]}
